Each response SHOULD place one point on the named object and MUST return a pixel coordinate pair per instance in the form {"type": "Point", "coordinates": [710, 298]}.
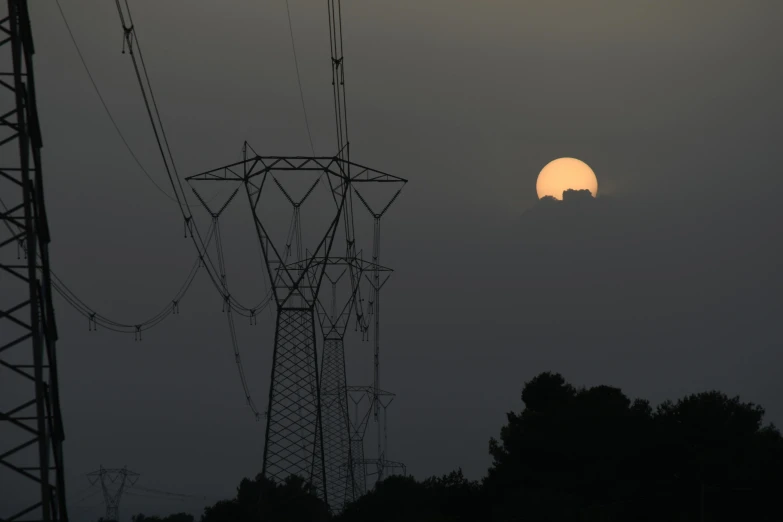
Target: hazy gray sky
{"type": "Point", "coordinates": [673, 289]}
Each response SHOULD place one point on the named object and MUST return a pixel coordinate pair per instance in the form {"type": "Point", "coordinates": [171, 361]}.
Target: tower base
{"type": "Point", "coordinates": [294, 441]}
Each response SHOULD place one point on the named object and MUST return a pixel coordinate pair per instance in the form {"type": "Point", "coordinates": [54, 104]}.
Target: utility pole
{"type": "Point", "coordinates": [31, 429]}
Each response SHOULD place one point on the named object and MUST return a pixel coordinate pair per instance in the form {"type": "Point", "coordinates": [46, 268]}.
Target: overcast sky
{"type": "Point", "coordinates": [670, 286]}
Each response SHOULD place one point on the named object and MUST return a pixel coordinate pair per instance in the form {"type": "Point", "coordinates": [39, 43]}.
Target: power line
{"type": "Point", "coordinates": [97, 491]}
{"type": "Point", "coordinates": [299, 78]}
{"type": "Point", "coordinates": [105, 106]}
{"type": "Point", "coordinates": [216, 275]}
{"type": "Point", "coordinates": [94, 318]}
{"type": "Point", "coordinates": [151, 491]}
{"type": "Point", "coordinates": [131, 38]}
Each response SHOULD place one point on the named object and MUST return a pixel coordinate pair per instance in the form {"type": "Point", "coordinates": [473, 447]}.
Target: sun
{"type": "Point", "coordinates": [565, 173]}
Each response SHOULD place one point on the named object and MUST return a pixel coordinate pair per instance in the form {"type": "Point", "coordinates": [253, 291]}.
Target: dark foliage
{"type": "Point", "coordinates": [262, 499]}
{"type": "Point", "coordinates": [572, 454]}
{"type": "Point", "coordinates": [177, 517]}
{"type": "Point", "coordinates": [449, 498]}
{"type": "Point", "coordinates": [593, 454]}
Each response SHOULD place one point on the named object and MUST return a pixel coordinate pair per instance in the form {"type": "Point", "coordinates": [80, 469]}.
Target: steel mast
{"type": "Point", "coordinates": [31, 428]}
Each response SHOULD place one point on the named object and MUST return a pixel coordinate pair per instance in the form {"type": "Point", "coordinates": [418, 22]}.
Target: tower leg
{"type": "Point", "coordinates": [31, 431]}
{"type": "Point", "coordinates": [336, 429]}
{"type": "Point", "coordinates": [294, 440]}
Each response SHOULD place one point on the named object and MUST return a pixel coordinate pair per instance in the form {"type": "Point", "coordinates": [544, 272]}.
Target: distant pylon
{"type": "Point", "coordinates": [364, 400]}
{"type": "Point", "coordinates": [113, 482]}
{"type": "Point", "coordinates": [334, 311]}
{"type": "Point", "coordinates": [379, 400]}
{"type": "Point", "coordinates": [32, 484]}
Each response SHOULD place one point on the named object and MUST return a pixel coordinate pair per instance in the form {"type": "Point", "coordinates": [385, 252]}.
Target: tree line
{"type": "Point", "coordinates": [571, 454]}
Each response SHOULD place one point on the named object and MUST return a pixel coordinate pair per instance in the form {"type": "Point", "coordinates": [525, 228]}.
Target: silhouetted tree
{"type": "Point", "coordinates": [572, 454]}
{"type": "Point", "coordinates": [176, 517]}
{"type": "Point", "coordinates": [593, 454]}
{"type": "Point", "coordinates": [456, 498]}
{"type": "Point", "coordinates": [222, 511]}
{"type": "Point", "coordinates": [450, 498]}
{"type": "Point", "coordinates": [141, 517]}
{"type": "Point", "coordinates": [263, 500]}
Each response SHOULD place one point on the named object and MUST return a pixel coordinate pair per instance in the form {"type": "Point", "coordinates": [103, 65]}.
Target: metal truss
{"type": "Point", "coordinates": [31, 429]}
{"type": "Point", "coordinates": [334, 415]}
{"type": "Point", "coordinates": [113, 483]}
{"type": "Point", "coordinates": [378, 399]}
{"type": "Point", "coordinates": [334, 320]}
{"type": "Point", "coordinates": [293, 443]}
{"type": "Point", "coordinates": [365, 400]}
{"type": "Point", "coordinates": [385, 468]}
{"type": "Point", "coordinates": [297, 397]}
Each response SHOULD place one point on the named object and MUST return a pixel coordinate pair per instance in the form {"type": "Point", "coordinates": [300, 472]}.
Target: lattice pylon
{"type": "Point", "coordinates": [359, 466]}
{"type": "Point", "coordinates": [336, 431]}
{"type": "Point", "coordinates": [361, 399]}
{"type": "Point", "coordinates": [334, 391]}
{"type": "Point", "coordinates": [113, 483]}
{"type": "Point", "coordinates": [293, 436]}
{"type": "Point", "coordinates": [295, 271]}
{"type": "Point", "coordinates": [32, 484]}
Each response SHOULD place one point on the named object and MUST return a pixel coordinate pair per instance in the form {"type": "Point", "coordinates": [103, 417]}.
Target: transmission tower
{"type": "Point", "coordinates": [31, 430]}
{"type": "Point", "coordinates": [378, 400]}
{"type": "Point", "coordinates": [383, 465]}
{"type": "Point", "coordinates": [363, 399]}
{"type": "Point", "coordinates": [377, 208]}
{"type": "Point", "coordinates": [294, 441]}
{"type": "Point", "coordinates": [113, 483]}
{"type": "Point", "coordinates": [334, 311]}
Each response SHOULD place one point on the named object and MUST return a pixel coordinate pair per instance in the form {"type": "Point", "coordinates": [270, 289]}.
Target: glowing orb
{"type": "Point", "coordinates": [565, 173]}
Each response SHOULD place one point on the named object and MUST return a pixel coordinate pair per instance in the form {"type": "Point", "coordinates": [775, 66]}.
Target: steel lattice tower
{"type": "Point", "coordinates": [294, 442]}
{"type": "Point", "coordinates": [337, 448]}
{"type": "Point", "coordinates": [378, 400]}
{"type": "Point", "coordinates": [334, 320]}
{"type": "Point", "coordinates": [113, 482]}
{"type": "Point", "coordinates": [31, 430]}
{"type": "Point", "coordinates": [363, 399]}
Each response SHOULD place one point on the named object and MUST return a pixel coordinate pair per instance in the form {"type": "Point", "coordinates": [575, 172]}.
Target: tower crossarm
{"type": "Point", "coordinates": [334, 316]}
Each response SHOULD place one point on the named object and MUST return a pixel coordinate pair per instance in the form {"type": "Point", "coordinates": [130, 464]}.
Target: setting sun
{"type": "Point", "coordinates": [565, 173]}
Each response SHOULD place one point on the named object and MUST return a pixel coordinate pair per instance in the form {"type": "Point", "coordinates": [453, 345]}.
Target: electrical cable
{"type": "Point", "coordinates": [142, 76]}
{"type": "Point", "coordinates": [95, 318]}
{"type": "Point", "coordinates": [105, 106]}
{"type": "Point", "coordinates": [298, 77]}
{"type": "Point", "coordinates": [217, 273]}
{"type": "Point", "coordinates": [142, 489]}
{"type": "Point", "coordinates": [232, 327]}
{"type": "Point", "coordinates": [88, 495]}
